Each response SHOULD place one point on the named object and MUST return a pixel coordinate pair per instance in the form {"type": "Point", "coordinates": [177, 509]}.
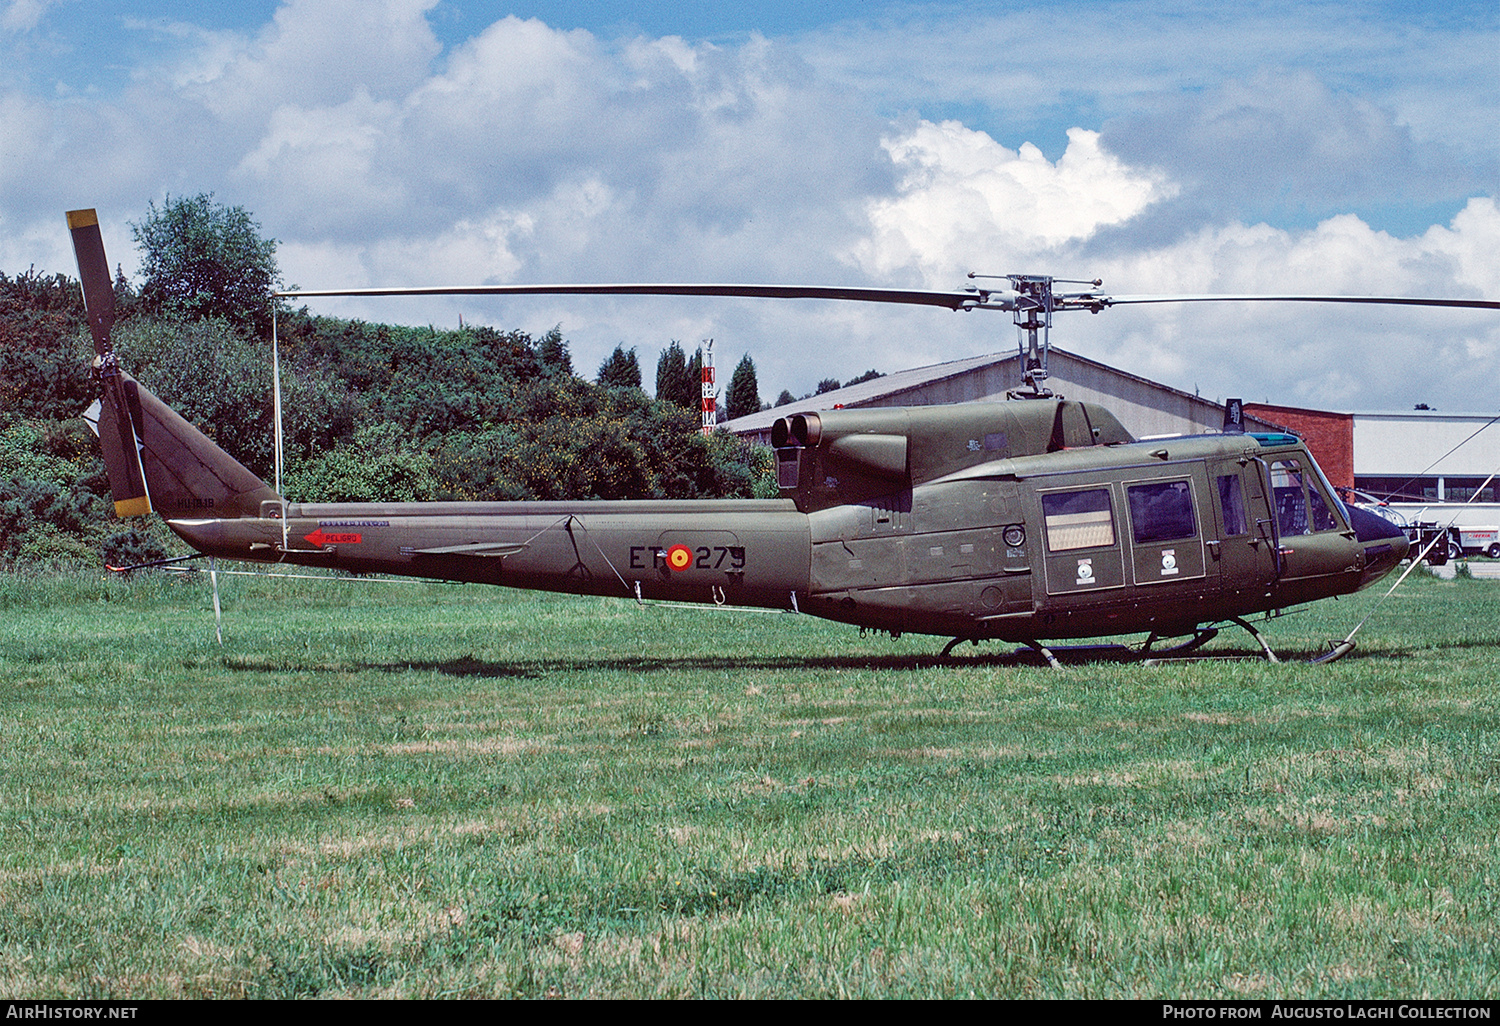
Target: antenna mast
{"type": "Point", "coordinates": [710, 401]}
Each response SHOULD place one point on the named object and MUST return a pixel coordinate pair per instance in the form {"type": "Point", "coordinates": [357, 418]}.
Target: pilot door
{"type": "Point", "coordinates": [1245, 544]}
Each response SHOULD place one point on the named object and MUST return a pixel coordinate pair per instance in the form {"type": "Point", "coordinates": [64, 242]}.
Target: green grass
{"type": "Point", "coordinates": [419, 790]}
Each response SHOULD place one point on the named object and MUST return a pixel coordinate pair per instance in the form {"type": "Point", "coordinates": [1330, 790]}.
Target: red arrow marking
{"type": "Point", "coordinates": [320, 539]}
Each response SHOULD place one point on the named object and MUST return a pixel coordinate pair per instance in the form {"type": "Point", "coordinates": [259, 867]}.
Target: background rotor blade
{"type": "Point", "coordinates": [93, 273]}
{"type": "Point", "coordinates": [960, 300]}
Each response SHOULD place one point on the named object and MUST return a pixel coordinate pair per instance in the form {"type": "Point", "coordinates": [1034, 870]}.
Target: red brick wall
{"type": "Point", "coordinates": [1330, 437]}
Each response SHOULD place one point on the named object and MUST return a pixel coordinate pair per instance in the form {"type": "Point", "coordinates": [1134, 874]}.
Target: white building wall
{"type": "Point", "coordinates": [1415, 443]}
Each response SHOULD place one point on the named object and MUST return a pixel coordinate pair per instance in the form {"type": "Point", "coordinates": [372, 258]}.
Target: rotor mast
{"type": "Point", "coordinates": [1031, 302]}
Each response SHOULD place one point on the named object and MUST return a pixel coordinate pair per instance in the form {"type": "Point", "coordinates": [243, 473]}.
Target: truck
{"type": "Point", "coordinates": [1467, 540]}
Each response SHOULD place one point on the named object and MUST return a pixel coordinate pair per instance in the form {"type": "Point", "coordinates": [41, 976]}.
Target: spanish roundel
{"type": "Point", "coordinates": [679, 557]}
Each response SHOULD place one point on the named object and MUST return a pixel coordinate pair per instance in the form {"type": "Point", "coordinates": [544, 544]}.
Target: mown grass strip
{"type": "Point", "coordinates": [447, 791]}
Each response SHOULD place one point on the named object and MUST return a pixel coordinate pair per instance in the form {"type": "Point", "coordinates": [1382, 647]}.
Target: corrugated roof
{"type": "Point", "coordinates": [866, 391]}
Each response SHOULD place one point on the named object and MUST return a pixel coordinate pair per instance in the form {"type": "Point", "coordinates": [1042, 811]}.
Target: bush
{"type": "Point", "coordinates": [380, 464]}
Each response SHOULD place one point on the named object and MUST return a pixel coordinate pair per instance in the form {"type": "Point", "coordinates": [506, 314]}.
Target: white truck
{"type": "Point", "coordinates": [1463, 541]}
{"type": "Point", "coordinates": [1468, 540]}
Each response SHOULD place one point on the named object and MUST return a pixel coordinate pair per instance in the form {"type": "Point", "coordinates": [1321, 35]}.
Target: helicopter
{"type": "Point", "coordinates": [1029, 521]}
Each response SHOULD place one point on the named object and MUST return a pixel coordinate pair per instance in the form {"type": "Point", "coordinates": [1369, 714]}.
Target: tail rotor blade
{"type": "Point", "coordinates": [93, 272]}
{"type": "Point", "coordinates": [119, 417]}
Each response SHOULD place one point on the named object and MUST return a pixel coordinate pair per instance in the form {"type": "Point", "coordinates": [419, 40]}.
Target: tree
{"type": "Point", "coordinates": [382, 463]}
{"type": "Point", "coordinates": [43, 374]}
{"type": "Point", "coordinates": [217, 378]}
{"type": "Point", "coordinates": [743, 397]}
{"type": "Point", "coordinates": [552, 353]}
{"type": "Point", "coordinates": [621, 370]}
{"type": "Point", "coordinates": [203, 259]}
{"type": "Point", "coordinates": [828, 385]}
{"type": "Point", "coordinates": [785, 398]}
{"type": "Point", "coordinates": [672, 382]}
{"type": "Point", "coordinates": [869, 375]}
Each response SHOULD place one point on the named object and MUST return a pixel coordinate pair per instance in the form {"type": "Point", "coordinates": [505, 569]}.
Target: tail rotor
{"type": "Point", "coordinates": [119, 418]}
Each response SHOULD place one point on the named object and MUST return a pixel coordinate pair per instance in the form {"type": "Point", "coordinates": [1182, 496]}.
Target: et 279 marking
{"type": "Point", "coordinates": [681, 557]}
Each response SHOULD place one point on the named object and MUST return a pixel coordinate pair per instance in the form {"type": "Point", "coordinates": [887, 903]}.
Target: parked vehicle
{"type": "Point", "coordinates": [1473, 541]}
{"type": "Point", "coordinates": [1462, 541]}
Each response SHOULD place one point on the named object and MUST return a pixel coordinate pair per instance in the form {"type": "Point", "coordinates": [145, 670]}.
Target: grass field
{"type": "Point", "coordinates": [425, 790]}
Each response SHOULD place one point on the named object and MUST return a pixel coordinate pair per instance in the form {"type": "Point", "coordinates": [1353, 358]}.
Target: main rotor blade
{"type": "Point", "coordinates": [1103, 301]}
{"type": "Point", "coordinates": [964, 299]}
{"type": "Point", "coordinates": [93, 273]}
{"type": "Point", "coordinates": [960, 300]}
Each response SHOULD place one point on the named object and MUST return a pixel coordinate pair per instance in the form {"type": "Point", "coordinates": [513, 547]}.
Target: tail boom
{"type": "Point", "coordinates": [756, 552]}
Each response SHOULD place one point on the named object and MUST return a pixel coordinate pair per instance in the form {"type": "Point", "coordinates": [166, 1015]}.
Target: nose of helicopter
{"type": "Point", "coordinates": [1384, 543]}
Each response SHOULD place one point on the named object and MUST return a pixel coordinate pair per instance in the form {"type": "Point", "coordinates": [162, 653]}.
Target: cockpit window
{"type": "Point", "coordinates": [1301, 508]}
{"type": "Point", "coordinates": [1322, 516]}
{"type": "Point", "coordinates": [1291, 501]}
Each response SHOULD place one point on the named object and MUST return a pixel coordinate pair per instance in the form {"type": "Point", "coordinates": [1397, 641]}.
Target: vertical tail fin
{"type": "Point", "coordinates": [186, 472]}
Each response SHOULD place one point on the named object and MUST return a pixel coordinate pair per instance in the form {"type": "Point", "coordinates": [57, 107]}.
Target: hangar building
{"type": "Point", "coordinates": [1145, 407]}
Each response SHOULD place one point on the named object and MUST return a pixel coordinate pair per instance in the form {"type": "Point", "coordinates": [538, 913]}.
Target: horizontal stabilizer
{"type": "Point", "coordinates": [490, 549]}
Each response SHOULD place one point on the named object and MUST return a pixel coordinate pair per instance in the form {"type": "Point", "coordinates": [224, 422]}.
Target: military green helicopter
{"type": "Point", "coordinates": [1028, 521]}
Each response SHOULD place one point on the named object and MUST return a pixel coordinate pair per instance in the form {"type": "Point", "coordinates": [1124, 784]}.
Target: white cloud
{"type": "Point", "coordinates": [1315, 355]}
{"type": "Point", "coordinates": [322, 161]}
{"type": "Point", "coordinates": [471, 252]}
{"type": "Point", "coordinates": [314, 53]}
{"type": "Point", "coordinates": [964, 201]}
{"type": "Point", "coordinates": [23, 15]}
{"type": "Point", "coordinates": [878, 152]}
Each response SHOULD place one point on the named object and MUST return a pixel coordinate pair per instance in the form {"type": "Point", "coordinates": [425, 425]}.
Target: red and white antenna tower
{"type": "Point", "coordinates": [710, 401]}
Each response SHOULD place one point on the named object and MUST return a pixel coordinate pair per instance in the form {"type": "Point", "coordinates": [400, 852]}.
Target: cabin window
{"type": "Point", "coordinates": [1078, 520]}
{"type": "Point", "coordinates": [1232, 502]}
{"type": "Point", "coordinates": [1161, 511]}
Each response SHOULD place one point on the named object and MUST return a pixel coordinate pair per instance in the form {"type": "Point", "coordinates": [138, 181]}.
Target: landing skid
{"type": "Point", "coordinates": [1036, 653]}
{"type": "Point", "coordinates": [1201, 636]}
{"type": "Point", "coordinates": [1258, 636]}
{"type": "Point", "coordinates": [1148, 654]}
{"type": "Point", "coordinates": [1194, 642]}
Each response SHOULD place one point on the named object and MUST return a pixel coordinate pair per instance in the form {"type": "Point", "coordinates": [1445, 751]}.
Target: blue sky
{"type": "Point", "coordinates": [1341, 147]}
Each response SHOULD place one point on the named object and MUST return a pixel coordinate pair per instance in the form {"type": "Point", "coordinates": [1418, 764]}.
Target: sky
{"type": "Point", "coordinates": [1346, 147]}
